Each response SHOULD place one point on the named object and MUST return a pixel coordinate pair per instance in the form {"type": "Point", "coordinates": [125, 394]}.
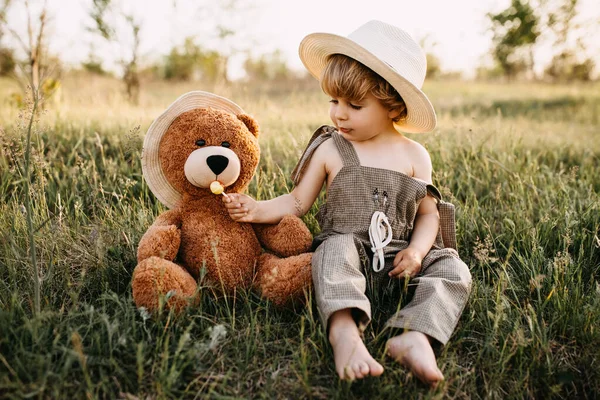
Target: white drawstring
{"type": "Point", "coordinates": [377, 230]}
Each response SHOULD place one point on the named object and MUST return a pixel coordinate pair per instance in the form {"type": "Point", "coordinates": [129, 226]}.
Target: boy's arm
{"type": "Point", "coordinates": [426, 226]}
{"type": "Point", "coordinates": [243, 208]}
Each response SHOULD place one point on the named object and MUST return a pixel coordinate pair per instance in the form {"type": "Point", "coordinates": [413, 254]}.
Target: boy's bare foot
{"type": "Point", "coordinates": [352, 359]}
{"type": "Point", "coordinates": [413, 350]}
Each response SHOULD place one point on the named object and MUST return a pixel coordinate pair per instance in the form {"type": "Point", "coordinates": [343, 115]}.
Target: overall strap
{"type": "Point", "coordinates": [319, 136]}
{"type": "Point", "coordinates": [447, 231]}
{"type": "Point", "coordinates": [346, 150]}
{"type": "Point", "coordinates": [434, 192]}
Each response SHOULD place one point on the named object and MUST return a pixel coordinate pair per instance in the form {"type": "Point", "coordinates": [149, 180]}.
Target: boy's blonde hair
{"type": "Point", "coordinates": [346, 78]}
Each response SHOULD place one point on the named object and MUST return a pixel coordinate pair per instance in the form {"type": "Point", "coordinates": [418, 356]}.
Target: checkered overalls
{"type": "Point", "coordinates": [343, 273]}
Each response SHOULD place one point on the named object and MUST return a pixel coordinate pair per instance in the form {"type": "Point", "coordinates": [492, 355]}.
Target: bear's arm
{"type": "Point", "coordinates": [163, 237]}
{"type": "Point", "coordinates": [287, 238]}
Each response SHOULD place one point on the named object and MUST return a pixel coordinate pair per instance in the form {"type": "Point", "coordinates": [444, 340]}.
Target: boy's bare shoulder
{"type": "Point", "coordinates": [327, 156]}
{"type": "Point", "coordinates": [416, 147]}
{"type": "Point", "coordinates": [421, 160]}
{"type": "Point", "coordinates": [325, 150]}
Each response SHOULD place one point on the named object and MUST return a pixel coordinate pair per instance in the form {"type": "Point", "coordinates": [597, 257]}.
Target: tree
{"type": "Point", "coordinates": [565, 64]}
{"type": "Point", "coordinates": [182, 62]}
{"type": "Point", "coordinates": [34, 70]}
{"type": "Point", "coordinates": [93, 64]}
{"type": "Point", "coordinates": [515, 31]}
{"type": "Point", "coordinates": [223, 32]}
{"type": "Point", "coordinates": [433, 66]}
{"type": "Point", "coordinates": [131, 76]}
{"type": "Point", "coordinates": [191, 61]}
{"type": "Point", "coordinates": [428, 44]}
{"type": "Point", "coordinates": [267, 67]}
{"type": "Point", "coordinates": [7, 62]}
{"type": "Point", "coordinates": [566, 67]}
{"type": "Point", "coordinates": [4, 5]}
{"type": "Point", "coordinates": [106, 17]}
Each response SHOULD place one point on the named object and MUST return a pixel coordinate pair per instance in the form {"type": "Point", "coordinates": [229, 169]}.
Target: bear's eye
{"type": "Point", "coordinates": [200, 142]}
{"type": "Point", "coordinates": [225, 144]}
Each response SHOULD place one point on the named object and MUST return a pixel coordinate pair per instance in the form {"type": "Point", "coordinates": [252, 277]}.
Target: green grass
{"type": "Point", "coordinates": [521, 163]}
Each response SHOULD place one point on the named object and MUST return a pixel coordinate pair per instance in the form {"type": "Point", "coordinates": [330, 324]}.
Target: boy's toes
{"type": "Point", "coordinates": [436, 377]}
{"type": "Point", "coordinates": [375, 368]}
{"type": "Point", "coordinates": [364, 369]}
{"type": "Point", "coordinates": [360, 370]}
{"type": "Point", "coordinates": [431, 376]}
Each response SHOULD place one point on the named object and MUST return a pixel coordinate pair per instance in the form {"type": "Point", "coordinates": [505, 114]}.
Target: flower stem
{"type": "Point", "coordinates": [28, 208]}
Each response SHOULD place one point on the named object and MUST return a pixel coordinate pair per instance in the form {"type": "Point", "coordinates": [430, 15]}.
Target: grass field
{"type": "Point", "coordinates": [520, 161]}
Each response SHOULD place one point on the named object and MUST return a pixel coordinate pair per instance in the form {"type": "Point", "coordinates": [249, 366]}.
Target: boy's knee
{"type": "Point", "coordinates": [454, 271]}
{"type": "Point", "coordinates": [462, 274]}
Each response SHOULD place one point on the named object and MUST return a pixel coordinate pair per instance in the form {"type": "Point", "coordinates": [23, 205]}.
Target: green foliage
{"type": "Point", "coordinates": [181, 64]}
{"type": "Point", "coordinates": [518, 29]}
{"type": "Point", "coordinates": [190, 61]}
{"type": "Point", "coordinates": [561, 20]}
{"type": "Point", "coordinates": [94, 67]}
{"type": "Point", "coordinates": [4, 6]}
{"type": "Point", "coordinates": [515, 31]}
{"type": "Point", "coordinates": [98, 12]}
{"type": "Point", "coordinates": [93, 63]}
{"type": "Point", "coordinates": [7, 62]}
{"type": "Point", "coordinates": [489, 73]}
{"type": "Point", "coordinates": [267, 67]}
{"type": "Point", "coordinates": [519, 162]}
{"type": "Point", "coordinates": [106, 18]}
{"type": "Point", "coordinates": [433, 66]}
{"type": "Point", "coordinates": [569, 63]}
{"type": "Point", "coordinates": [566, 67]}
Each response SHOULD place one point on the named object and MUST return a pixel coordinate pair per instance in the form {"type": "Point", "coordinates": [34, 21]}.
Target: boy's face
{"type": "Point", "coordinates": [361, 120]}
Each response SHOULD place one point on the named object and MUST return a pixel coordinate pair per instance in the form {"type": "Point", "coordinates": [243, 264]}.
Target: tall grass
{"type": "Point", "coordinates": [520, 162]}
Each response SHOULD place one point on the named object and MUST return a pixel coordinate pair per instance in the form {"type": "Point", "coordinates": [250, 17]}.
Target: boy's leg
{"type": "Point", "coordinates": [432, 314]}
{"type": "Point", "coordinates": [441, 293]}
{"type": "Point", "coordinates": [343, 306]}
{"type": "Point", "coordinates": [338, 279]}
{"type": "Point", "coordinates": [352, 359]}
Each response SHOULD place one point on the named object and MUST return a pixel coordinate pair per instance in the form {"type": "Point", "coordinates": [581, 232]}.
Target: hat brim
{"type": "Point", "coordinates": [151, 168]}
{"type": "Point", "coordinates": [317, 47]}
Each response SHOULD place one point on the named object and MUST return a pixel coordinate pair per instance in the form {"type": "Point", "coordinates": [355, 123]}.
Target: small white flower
{"type": "Point", "coordinates": [144, 313]}
{"type": "Point", "coordinates": [217, 334]}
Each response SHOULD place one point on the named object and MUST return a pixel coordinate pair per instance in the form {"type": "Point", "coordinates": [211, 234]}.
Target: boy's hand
{"type": "Point", "coordinates": [241, 208]}
{"type": "Point", "coordinates": [407, 263]}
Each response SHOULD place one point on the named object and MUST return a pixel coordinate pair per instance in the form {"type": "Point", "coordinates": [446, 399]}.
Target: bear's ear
{"type": "Point", "coordinates": [250, 123]}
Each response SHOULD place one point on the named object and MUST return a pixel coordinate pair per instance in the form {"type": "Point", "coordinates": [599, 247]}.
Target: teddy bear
{"type": "Point", "coordinates": [201, 148]}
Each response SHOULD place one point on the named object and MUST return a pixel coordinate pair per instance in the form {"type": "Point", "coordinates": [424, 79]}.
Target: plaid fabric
{"type": "Point", "coordinates": [447, 224]}
{"type": "Point", "coordinates": [342, 273]}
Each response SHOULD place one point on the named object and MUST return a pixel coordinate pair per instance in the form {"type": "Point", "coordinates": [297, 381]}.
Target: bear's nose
{"type": "Point", "coordinates": [217, 164]}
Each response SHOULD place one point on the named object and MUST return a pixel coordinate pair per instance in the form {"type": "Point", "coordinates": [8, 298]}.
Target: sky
{"type": "Point", "coordinates": [455, 31]}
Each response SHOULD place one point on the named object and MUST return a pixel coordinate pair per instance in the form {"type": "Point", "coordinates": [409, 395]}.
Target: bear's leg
{"type": "Point", "coordinates": [284, 280]}
{"type": "Point", "coordinates": [155, 277]}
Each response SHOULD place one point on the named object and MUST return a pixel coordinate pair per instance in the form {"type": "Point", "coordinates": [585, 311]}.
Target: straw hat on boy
{"type": "Point", "coordinates": [151, 168]}
{"type": "Point", "coordinates": [387, 50]}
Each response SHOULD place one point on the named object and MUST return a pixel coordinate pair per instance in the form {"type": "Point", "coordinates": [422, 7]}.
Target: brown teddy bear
{"type": "Point", "coordinates": [202, 145]}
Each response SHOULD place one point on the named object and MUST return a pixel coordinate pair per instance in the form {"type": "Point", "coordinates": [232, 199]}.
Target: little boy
{"type": "Point", "coordinates": [380, 223]}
